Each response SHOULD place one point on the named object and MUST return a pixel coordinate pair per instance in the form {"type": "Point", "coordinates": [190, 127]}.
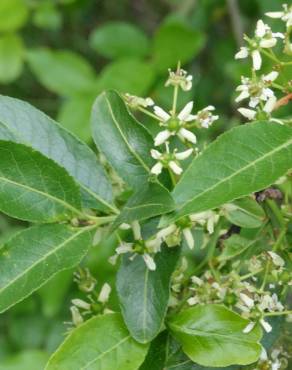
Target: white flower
{"type": "Point", "coordinates": [165, 232]}
{"type": "Point", "coordinates": [208, 218]}
{"type": "Point", "coordinates": [264, 38]}
{"type": "Point", "coordinates": [179, 78]}
{"type": "Point", "coordinates": [135, 101]}
{"type": "Point", "coordinates": [256, 89]}
{"type": "Point", "coordinates": [77, 318]}
{"type": "Point", "coordinates": [268, 39]}
{"type": "Point", "coordinates": [197, 280]}
{"type": "Point", "coordinates": [205, 116]}
{"type": "Point", "coordinates": [285, 15]}
{"type": "Point", "coordinates": [174, 125]}
{"type": "Point", "coordinates": [168, 160]}
{"type": "Point", "coordinates": [267, 327]}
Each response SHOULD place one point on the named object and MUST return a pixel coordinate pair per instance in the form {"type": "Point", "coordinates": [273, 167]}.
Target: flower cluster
{"type": "Point", "coordinates": [96, 301]}
{"type": "Point", "coordinates": [260, 88]}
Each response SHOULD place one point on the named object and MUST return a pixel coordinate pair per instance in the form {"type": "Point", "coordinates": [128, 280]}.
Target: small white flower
{"type": "Point", "coordinates": [104, 293]}
{"type": "Point", "coordinates": [268, 39]}
{"type": "Point", "coordinates": [180, 78]}
{"type": "Point", "coordinates": [174, 125]}
{"type": "Point", "coordinates": [267, 327]}
{"type": "Point", "coordinates": [205, 116]}
{"type": "Point", "coordinates": [77, 318]}
{"type": "Point", "coordinates": [285, 15]}
{"type": "Point", "coordinates": [208, 218]}
{"type": "Point", "coordinates": [135, 101]}
{"type": "Point", "coordinates": [124, 248]}
{"type": "Point", "coordinates": [163, 233]}
{"type": "Point", "coordinates": [242, 53]}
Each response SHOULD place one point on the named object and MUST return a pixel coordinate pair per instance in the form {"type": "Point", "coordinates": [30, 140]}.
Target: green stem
{"type": "Point", "coordinates": [247, 276]}
{"type": "Point", "coordinates": [152, 115]}
{"type": "Point", "coordinates": [279, 313]}
{"type": "Point", "coordinates": [174, 104]}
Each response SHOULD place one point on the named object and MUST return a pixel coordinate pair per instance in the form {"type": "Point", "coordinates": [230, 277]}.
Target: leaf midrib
{"type": "Point", "coordinates": [201, 333]}
{"type": "Point", "coordinates": [136, 155]}
{"type": "Point", "coordinates": [47, 195]}
{"type": "Point", "coordinates": [251, 164]}
{"type": "Point", "coordinates": [24, 272]}
{"type": "Point", "coordinates": [106, 352]}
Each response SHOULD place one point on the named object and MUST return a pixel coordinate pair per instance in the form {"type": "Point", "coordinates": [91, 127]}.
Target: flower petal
{"type": "Point", "coordinates": [157, 169]}
{"type": "Point", "coordinates": [243, 53]}
{"type": "Point", "coordinates": [188, 135]}
{"type": "Point", "coordinates": [160, 113]}
{"type": "Point", "coordinates": [189, 237]}
{"type": "Point", "coordinates": [256, 60]}
{"type": "Point", "coordinates": [149, 262]}
{"type": "Point", "coordinates": [183, 155]}
{"type": "Point", "coordinates": [248, 113]}
{"type": "Point", "coordinates": [161, 137]}
{"type": "Point", "coordinates": [260, 28]}
{"type": "Point", "coordinates": [104, 293]}
{"type": "Point", "coordinates": [175, 168]}
{"type": "Point", "coordinates": [185, 112]}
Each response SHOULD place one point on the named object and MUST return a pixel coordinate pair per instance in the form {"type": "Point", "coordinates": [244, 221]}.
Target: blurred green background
{"type": "Point", "coordinates": [60, 54]}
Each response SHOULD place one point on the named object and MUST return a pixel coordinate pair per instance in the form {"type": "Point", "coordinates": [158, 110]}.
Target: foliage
{"type": "Point", "coordinates": [177, 236]}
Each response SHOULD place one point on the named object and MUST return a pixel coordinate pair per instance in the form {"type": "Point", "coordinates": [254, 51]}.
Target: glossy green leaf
{"type": "Point", "coordinates": [156, 356]}
{"type": "Point", "coordinates": [152, 200]}
{"type": "Point", "coordinates": [119, 39]}
{"type": "Point", "coordinates": [30, 126]}
{"type": "Point", "coordinates": [212, 335]}
{"type": "Point", "coordinates": [124, 141]}
{"type": "Point", "coordinates": [33, 256]}
{"type": "Point", "coordinates": [144, 294]}
{"type": "Point", "coordinates": [103, 342]}
{"type": "Point", "coordinates": [241, 161]}
{"type": "Point", "coordinates": [13, 14]}
{"type": "Point", "coordinates": [175, 41]}
{"type": "Point", "coordinates": [245, 212]}
{"type": "Point", "coordinates": [33, 187]}
{"type": "Point", "coordinates": [234, 246]}
{"type": "Point", "coordinates": [11, 57]}
{"type": "Point", "coordinates": [127, 76]}
{"type": "Point", "coordinates": [63, 72]}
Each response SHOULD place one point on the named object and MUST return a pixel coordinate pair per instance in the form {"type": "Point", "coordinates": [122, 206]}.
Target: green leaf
{"type": "Point", "coordinates": [11, 57]}
{"type": "Point", "coordinates": [127, 76]}
{"type": "Point", "coordinates": [74, 115]}
{"type": "Point", "coordinates": [13, 14]}
{"type": "Point", "coordinates": [30, 126]}
{"type": "Point", "coordinates": [63, 72]}
{"type": "Point", "coordinates": [175, 41]}
{"type": "Point", "coordinates": [144, 294]}
{"type": "Point", "coordinates": [47, 16]}
{"type": "Point", "coordinates": [102, 342]}
{"type": "Point", "coordinates": [212, 335]}
{"type": "Point", "coordinates": [234, 246]}
{"type": "Point", "coordinates": [33, 187]}
{"type": "Point", "coordinates": [155, 359]}
{"type": "Point", "coordinates": [28, 359]}
{"type": "Point", "coordinates": [119, 39]}
{"type": "Point", "coordinates": [241, 161]}
{"type": "Point", "coordinates": [124, 141]}
{"type": "Point", "coordinates": [34, 255]}
{"type": "Point", "coordinates": [245, 212]}
{"type": "Point", "coordinates": [152, 200]}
